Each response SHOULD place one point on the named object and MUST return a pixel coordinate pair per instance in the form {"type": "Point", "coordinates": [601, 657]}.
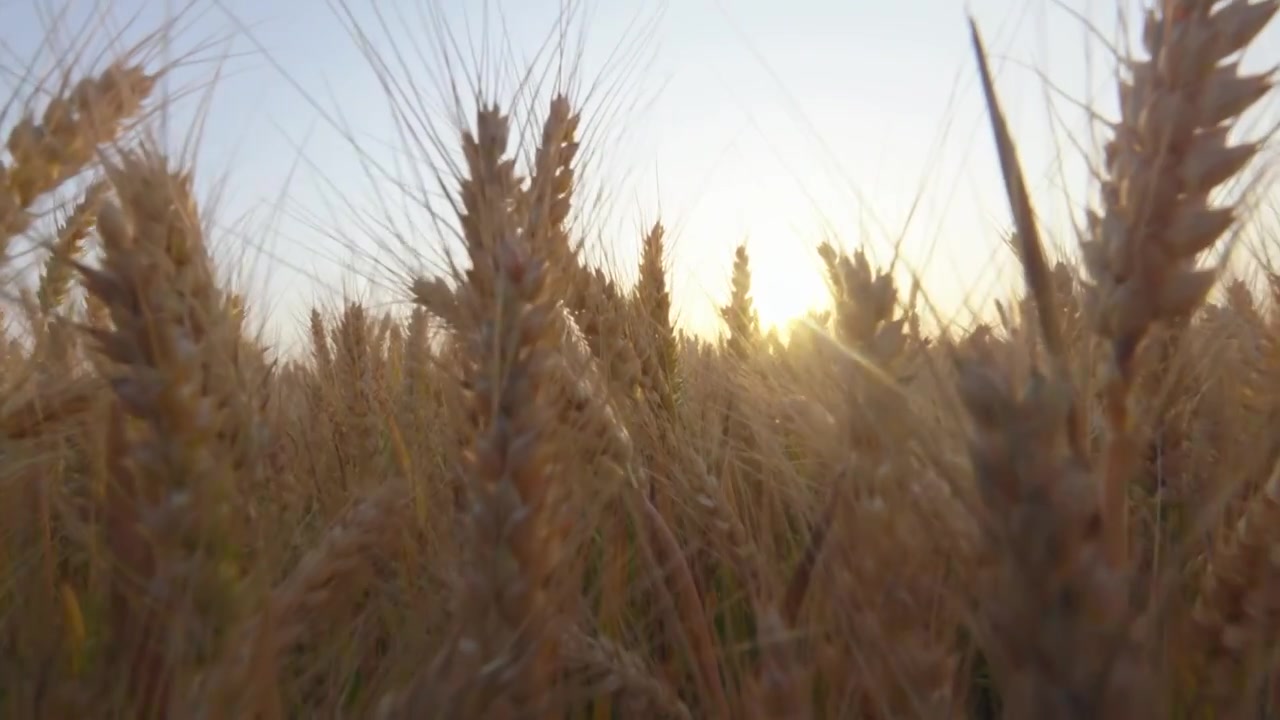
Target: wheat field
{"type": "Point", "coordinates": [525, 492]}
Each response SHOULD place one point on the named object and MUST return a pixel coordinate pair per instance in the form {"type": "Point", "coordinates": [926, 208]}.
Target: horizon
{"type": "Point", "coordinates": [757, 123]}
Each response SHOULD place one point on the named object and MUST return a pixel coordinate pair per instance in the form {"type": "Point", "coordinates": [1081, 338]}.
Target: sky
{"type": "Point", "coordinates": [778, 124]}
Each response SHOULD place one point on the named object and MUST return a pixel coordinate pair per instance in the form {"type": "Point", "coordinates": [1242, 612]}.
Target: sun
{"type": "Point", "coordinates": [785, 282]}
{"type": "Point", "coordinates": [776, 222]}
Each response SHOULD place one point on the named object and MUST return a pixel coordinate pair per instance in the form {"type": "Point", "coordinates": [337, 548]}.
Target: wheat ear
{"type": "Point", "coordinates": [1169, 152]}
{"type": "Point", "coordinates": [169, 515]}
{"type": "Point", "coordinates": [65, 140]}
{"type": "Point", "coordinates": [507, 327]}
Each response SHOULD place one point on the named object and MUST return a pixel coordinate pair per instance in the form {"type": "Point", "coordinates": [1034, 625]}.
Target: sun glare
{"type": "Point", "coordinates": [786, 276]}
{"type": "Point", "coordinates": [785, 284]}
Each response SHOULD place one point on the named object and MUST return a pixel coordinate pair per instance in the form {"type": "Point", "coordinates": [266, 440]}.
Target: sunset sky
{"type": "Point", "coordinates": [776, 123]}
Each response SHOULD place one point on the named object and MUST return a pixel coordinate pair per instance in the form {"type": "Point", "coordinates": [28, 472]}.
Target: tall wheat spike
{"type": "Point", "coordinates": [169, 510]}
{"type": "Point", "coordinates": [1170, 151]}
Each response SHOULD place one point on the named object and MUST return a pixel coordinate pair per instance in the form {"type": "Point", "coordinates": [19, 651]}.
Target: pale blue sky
{"type": "Point", "coordinates": [777, 122]}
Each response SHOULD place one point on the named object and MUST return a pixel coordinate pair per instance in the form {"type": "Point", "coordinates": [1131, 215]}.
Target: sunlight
{"type": "Point", "coordinates": [751, 201]}
{"type": "Point", "coordinates": [785, 282]}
